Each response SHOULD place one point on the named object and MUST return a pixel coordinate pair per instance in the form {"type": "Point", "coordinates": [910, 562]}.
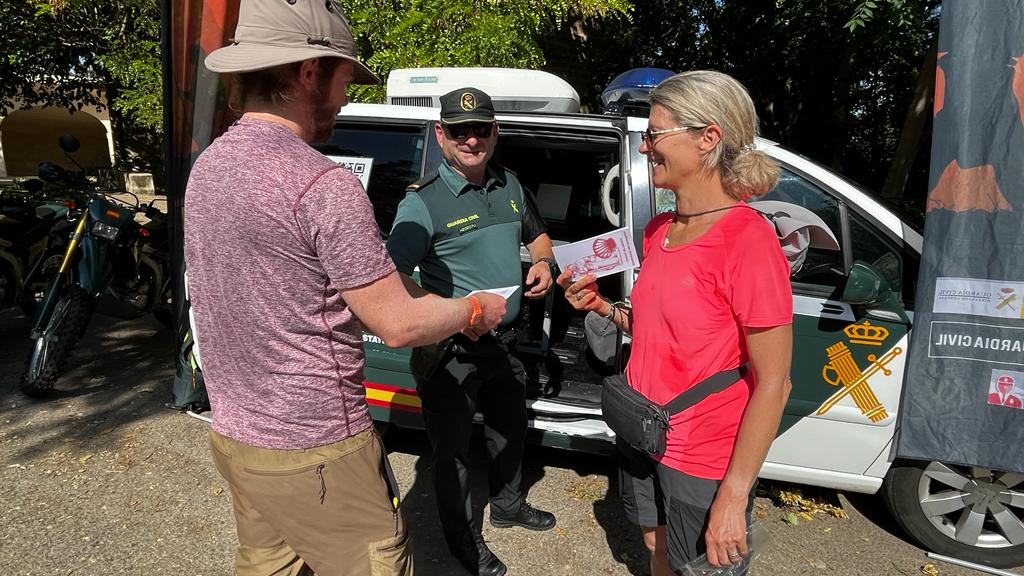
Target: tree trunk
{"type": "Point", "coordinates": [913, 126]}
{"type": "Point", "coordinates": [840, 114]}
{"type": "Point", "coordinates": [116, 179]}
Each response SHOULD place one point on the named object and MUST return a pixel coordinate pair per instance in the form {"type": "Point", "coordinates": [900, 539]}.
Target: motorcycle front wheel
{"type": "Point", "coordinates": [50, 351]}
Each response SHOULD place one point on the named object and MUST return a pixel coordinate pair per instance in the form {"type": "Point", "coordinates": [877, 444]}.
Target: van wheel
{"type": "Point", "coordinates": [970, 513]}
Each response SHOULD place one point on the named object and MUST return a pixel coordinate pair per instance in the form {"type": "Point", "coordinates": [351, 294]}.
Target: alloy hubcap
{"type": "Point", "coordinates": [975, 506]}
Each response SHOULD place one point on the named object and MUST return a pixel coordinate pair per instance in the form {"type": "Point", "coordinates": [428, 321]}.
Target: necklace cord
{"type": "Point", "coordinates": [685, 215]}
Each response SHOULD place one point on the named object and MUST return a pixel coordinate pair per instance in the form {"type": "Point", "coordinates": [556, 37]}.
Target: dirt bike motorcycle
{"type": "Point", "coordinates": [150, 290]}
{"type": "Point", "coordinates": [34, 233]}
{"type": "Point", "coordinates": [104, 257]}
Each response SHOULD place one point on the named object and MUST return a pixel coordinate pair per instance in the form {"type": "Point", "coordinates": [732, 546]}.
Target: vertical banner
{"type": "Point", "coordinates": [194, 114]}
{"type": "Point", "coordinates": [963, 402]}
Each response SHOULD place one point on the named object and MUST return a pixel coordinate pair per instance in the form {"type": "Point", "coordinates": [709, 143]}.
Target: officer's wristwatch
{"type": "Point", "coordinates": [551, 264]}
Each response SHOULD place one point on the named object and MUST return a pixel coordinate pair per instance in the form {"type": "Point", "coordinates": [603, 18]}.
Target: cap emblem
{"type": "Point", "coordinates": [468, 101]}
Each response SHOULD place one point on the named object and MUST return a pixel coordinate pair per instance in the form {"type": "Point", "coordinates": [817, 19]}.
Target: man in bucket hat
{"type": "Point", "coordinates": [462, 225]}
{"type": "Point", "coordinates": [285, 267]}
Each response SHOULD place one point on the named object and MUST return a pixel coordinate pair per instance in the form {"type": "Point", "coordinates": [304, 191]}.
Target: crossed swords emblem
{"type": "Point", "coordinates": [1008, 301]}
{"type": "Point", "coordinates": [842, 370]}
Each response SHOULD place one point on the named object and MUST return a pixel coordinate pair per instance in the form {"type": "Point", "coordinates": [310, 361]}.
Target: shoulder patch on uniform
{"type": "Point", "coordinates": [426, 179]}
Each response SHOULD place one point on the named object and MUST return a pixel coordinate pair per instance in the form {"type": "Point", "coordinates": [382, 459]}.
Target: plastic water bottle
{"type": "Point", "coordinates": [758, 541]}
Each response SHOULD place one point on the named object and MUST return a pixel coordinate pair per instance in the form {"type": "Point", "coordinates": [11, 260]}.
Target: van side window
{"type": "Point", "coordinates": [397, 153]}
{"type": "Point", "coordinates": [898, 267]}
{"type": "Point", "coordinates": [821, 267]}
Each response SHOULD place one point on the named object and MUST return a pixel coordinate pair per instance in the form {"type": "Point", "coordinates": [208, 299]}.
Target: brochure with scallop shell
{"type": "Point", "coordinates": [601, 255]}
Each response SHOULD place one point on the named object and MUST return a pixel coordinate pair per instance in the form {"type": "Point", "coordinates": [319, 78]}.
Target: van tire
{"type": "Point", "coordinates": [978, 491]}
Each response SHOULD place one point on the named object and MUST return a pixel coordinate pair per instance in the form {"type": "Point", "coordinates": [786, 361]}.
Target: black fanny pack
{"type": "Point", "coordinates": [642, 423]}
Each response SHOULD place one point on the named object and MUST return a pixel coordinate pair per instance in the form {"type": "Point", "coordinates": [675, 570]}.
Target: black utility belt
{"type": "Point", "coordinates": [502, 335]}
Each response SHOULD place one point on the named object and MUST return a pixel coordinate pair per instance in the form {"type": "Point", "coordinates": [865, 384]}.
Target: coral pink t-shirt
{"type": "Point", "coordinates": [690, 306]}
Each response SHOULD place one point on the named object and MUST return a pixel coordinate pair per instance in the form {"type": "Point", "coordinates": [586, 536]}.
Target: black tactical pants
{"type": "Point", "coordinates": [455, 380]}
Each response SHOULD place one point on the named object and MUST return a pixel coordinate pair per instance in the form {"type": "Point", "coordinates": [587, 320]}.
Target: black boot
{"type": "Point", "coordinates": [474, 555]}
{"type": "Point", "coordinates": [527, 516]}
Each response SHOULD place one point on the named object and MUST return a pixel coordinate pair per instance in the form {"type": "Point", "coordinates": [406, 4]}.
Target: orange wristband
{"type": "Point", "coordinates": [477, 311]}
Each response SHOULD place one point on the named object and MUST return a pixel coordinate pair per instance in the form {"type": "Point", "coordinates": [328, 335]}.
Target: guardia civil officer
{"type": "Point", "coordinates": [463, 225]}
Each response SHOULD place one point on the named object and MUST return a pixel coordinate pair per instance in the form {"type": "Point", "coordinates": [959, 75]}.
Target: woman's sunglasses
{"type": "Point", "coordinates": [462, 131]}
{"type": "Point", "coordinates": [649, 135]}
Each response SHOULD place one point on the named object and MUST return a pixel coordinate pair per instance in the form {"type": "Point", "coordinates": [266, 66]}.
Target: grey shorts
{"type": "Point", "coordinates": [655, 495]}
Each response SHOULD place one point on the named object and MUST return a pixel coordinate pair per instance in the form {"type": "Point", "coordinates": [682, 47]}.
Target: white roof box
{"type": "Point", "coordinates": [510, 89]}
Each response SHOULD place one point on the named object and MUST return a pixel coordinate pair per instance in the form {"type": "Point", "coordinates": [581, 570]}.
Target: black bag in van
{"type": "Point", "coordinates": [642, 423]}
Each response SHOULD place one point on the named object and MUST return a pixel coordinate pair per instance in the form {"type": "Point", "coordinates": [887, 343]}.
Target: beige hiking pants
{"type": "Point", "coordinates": [333, 510]}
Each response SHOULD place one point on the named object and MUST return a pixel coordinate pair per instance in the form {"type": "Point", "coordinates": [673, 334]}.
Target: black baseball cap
{"type": "Point", "coordinates": [466, 105]}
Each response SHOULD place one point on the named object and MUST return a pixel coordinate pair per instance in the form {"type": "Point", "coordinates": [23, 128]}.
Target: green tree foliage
{"type": "Point", "coordinates": [837, 96]}
{"type": "Point", "coordinates": [419, 33]}
{"type": "Point", "coordinates": [832, 79]}
{"type": "Point", "coordinates": [75, 54]}
{"type": "Point", "coordinates": [864, 12]}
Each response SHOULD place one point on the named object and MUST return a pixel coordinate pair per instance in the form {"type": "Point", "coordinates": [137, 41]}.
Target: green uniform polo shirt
{"type": "Point", "coordinates": [465, 237]}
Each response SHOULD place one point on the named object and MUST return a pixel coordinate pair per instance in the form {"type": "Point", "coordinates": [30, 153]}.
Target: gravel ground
{"type": "Point", "coordinates": [102, 479]}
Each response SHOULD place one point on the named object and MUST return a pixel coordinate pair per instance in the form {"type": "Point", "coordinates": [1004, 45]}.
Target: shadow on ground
{"type": "Point", "coordinates": [873, 508]}
{"type": "Point", "coordinates": [431, 552]}
{"type": "Point", "coordinates": [122, 351]}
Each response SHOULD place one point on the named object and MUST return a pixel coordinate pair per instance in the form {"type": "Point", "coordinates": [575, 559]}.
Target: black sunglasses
{"type": "Point", "coordinates": [462, 131]}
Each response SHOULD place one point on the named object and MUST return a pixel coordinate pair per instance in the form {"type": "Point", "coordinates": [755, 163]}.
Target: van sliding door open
{"type": "Point", "coordinates": [569, 173]}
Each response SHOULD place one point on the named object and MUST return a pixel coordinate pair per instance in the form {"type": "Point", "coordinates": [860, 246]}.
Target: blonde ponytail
{"type": "Point", "coordinates": [752, 173]}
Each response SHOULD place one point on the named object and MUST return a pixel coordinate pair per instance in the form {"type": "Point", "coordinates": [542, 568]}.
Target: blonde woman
{"type": "Point", "coordinates": [713, 294]}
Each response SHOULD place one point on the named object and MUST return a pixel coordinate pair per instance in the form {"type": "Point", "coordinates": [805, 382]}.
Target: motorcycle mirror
{"type": "Point", "coordinates": [33, 185]}
{"type": "Point", "coordinates": [69, 143]}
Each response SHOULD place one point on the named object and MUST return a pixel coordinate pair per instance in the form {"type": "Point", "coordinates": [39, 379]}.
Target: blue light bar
{"type": "Point", "coordinates": [630, 90]}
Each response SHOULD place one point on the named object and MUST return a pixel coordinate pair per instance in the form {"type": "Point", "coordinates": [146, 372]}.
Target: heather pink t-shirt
{"type": "Point", "coordinates": [690, 305]}
{"type": "Point", "coordinates": [273, 231]}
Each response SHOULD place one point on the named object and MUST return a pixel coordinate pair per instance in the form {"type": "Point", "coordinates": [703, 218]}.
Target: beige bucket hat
{"type": "Point", "coordinates": [275, 32]}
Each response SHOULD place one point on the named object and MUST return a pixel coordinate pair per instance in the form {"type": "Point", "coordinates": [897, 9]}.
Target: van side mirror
{"type": "Point", "coordinates": [865, 286]}
{"type": "Point", "coordinates": [69, 143]}
{"type": "Point", "coordinates": [868, 288]}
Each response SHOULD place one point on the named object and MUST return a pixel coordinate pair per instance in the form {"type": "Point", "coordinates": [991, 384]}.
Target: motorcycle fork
{"type": "Point", "coordinates": [53, 292]}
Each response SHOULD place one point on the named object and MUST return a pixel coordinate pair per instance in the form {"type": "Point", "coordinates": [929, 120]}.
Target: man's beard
{"type": "Point", "coordinates": [323, 123]}
{"type": "Point", "coordinates": [323, 114]}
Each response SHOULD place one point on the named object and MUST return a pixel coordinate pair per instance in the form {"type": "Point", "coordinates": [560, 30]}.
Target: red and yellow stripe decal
{"type": "Point", "coordinates": [393, 397]}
